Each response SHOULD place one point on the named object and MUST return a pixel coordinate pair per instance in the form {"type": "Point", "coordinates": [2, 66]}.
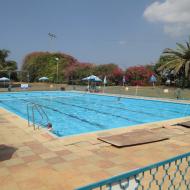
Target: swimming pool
{"type": "Point", "coordinates": [74, 113]}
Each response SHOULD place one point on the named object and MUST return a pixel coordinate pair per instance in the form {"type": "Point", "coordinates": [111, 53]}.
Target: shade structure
{"type": "Point", "coordinates": [4, 79]}
{"type": "Point", "coordinates": [43, 79]}
{"type": "Point", "coordinates": [153, 78]}
{"type": "Point", "coordinates": [92, 78]}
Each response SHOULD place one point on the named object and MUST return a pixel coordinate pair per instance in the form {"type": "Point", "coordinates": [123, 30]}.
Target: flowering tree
{"type": "Point", "coordinates": [138, 75]}
{"type": "Point", "coordinates": [112, 71]}
{"type": "Point", "coordinates": [40, 64]}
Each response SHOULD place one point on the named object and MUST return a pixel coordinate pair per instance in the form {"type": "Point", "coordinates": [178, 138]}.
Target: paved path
{"type": "Point", "coordinates": [36, 160]}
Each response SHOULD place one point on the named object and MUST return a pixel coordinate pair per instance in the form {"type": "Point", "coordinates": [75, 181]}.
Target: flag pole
{"type": "Point", "coordinates": [105, 81]}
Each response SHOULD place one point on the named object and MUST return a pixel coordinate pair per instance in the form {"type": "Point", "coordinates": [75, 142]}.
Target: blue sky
{"type": "Point", "coordinates": [125, 32]}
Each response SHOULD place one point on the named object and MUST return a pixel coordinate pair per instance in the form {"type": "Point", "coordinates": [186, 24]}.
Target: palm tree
{"type": "Point", "coordinates": [6, 66]}
{"type": "Point", "coordinates": [3, 55]}
{"type": "Point", "coordinates": [177, 61]}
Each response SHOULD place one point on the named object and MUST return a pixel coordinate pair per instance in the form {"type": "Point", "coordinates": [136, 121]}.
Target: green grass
{"type": "Point", "coordinates": [157, 92]}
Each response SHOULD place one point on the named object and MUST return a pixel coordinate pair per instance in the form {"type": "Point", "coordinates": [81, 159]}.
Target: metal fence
{"type": "Point", "coordinates": [171, 174]}
{"type": "Point", "coordinates": [156, 91]}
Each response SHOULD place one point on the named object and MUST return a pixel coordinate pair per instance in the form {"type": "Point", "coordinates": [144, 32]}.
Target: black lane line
{"type": "Point", "coordinates": [47, 107]}
{"type": "Point", "coordinates": [69, 115]}
{"type": "Point", "coordinates": [152, 107]}
{"type": "Point", "coordinates": [145, 113]}
{"type": "Point", "coordinates": [94, 110]}
{"type": "Point", "coordinates": [174, 111]}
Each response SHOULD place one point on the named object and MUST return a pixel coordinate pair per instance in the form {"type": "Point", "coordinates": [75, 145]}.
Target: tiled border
{"type": "Point", "coordinates": [114, 130]}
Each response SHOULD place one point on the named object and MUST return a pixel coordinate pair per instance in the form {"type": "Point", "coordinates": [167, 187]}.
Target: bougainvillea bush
{"type": "Point", "coordinates": [138, 75]}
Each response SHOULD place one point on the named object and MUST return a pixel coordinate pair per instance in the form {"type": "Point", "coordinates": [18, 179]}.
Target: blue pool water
{"type": "Point", "coordinates": [75, 113]}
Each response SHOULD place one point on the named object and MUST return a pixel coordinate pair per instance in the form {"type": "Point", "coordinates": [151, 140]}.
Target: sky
{"type": "Point", "coordinates": [125, 32]}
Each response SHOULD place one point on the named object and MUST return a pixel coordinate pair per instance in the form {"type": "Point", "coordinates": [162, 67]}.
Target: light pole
{"type": "Point", "coordinates": [57, 59]}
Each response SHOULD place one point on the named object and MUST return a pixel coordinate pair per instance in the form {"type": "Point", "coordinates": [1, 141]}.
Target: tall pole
{"type": "Point", "coordinates": [57, 59]}
{"type": "Point", "coordinates": [57, 71]}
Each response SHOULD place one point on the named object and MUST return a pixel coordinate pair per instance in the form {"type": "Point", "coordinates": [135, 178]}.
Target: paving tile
{"type": "Point", "coordinates": [14, 161]}
{"type": "Point", "coordinates": [99, 175]}
{"type": "Point", "coordinates": [4, 171]}
{"type": "Point", "coordinates": [10, 186]}
{"type": "Point", "coordinates": [37, 164]}
{"type": "Point", "coordinates": [48, 155]}
{"type": "Point", "coordinates": [70, 157]}
{"type": "Point", "coordinates": [42, 162]}
{"type": "Point", "coordinates": [105, 154]}
{"type": "Point", "coordinates": [17, 168]}
{"type": "Point", "coordinates": [116, 170]}
{"type": "Point", "coordinates": [25, 153]}
{"type": "Point", "coordinates": [24, 148]}
{"type": "Point", "coordinates": [5, 179]}
{"type": "Point", "coordinates": [31, 158]}
{"type": "Point", "coordinates": [105, 164]}
{"type": "Point", "coordinates": [23, 173]}
{"type": "Point", "coordinates": [30, 184]}
{"type": "Point", "coordinates": [62, 166]}
{"type": "Point", "coordinates": [55, 160]}
{"type": "Point", "coordinates": [63, 152]}
{"type": "Point", "coordinates": [88, 168]}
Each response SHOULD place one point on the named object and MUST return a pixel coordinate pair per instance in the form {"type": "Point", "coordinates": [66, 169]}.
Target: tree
{"type": "Point", "coordinates": [40, 64]}
{"type": "Point", "coordinates": [112, 71]}
{"type": "Point", "coordinates": [177, 61]}
{"type": "Point", "coordinates": [7, 66]}
{"type": "Point", "coordinates": [138, 75]}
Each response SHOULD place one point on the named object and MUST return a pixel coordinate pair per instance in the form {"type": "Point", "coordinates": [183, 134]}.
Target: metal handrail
{"type": "Point", "coordinates": [40, 110]}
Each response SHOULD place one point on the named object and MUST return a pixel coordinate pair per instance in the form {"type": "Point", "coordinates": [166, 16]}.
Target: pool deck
{"type": "Point", "coordinates": [34, 159]}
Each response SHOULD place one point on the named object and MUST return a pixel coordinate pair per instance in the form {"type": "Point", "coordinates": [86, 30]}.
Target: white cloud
{"type": "Point", "coordinates": [174, 14]}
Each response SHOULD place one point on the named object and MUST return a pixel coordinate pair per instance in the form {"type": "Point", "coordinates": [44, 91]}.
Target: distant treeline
{"type": "Point", "coordinates": [173, 66]}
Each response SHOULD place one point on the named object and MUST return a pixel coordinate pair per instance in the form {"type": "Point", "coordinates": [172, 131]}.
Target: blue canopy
{"type": "Point", "coordinates": [153, 78]}
{"type": "Point", "coordinates": [92, 78]}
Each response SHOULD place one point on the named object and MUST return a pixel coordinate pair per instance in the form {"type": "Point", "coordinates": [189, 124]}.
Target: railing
{"type": "Point", "coordinates": [39, 109]}
{"type": "Point", "coordinates": [171, 174]}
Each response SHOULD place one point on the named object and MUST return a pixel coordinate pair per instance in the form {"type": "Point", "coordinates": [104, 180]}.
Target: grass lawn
{"type": "Point", "coordinates": [148, 91]}
{"type": "Point", "coordinates": [157, 92]}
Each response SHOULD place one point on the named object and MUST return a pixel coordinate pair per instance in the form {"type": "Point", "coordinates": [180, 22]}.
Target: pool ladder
{"type": "Point", "coordinates": [33, 108]}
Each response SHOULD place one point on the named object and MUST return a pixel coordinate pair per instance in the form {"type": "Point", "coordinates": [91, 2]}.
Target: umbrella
{"type": "Point", "coordinates": [43, 78]}
{"type": "Point", "coordinates": [153, 79]}
{"type": "Point", "coordinates": [92, 78]}
{"type": "Point", "coordinates": [4, 79]}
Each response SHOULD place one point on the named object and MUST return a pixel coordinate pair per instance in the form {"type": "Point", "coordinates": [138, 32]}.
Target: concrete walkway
{"type": "Point", "coordinates": [36, 160]}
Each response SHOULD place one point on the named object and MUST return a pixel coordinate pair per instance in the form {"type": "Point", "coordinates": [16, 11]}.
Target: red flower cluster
{"type": "Point", "coordinates": [138, 75]}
